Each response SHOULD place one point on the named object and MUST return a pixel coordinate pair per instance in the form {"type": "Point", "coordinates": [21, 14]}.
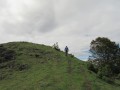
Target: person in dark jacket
{"type": "Point", "coordinates": [66, 50]}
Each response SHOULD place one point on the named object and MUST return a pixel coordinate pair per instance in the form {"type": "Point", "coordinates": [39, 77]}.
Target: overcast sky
{"type": "Point", "coordinates": [74, 23]}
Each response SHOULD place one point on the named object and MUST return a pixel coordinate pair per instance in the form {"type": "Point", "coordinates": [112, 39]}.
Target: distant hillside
{"type": "Point", "coordinates": [29, 66]}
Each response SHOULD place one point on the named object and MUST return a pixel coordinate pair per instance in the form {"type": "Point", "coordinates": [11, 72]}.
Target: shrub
{"type": "Point", "coordinates": [91, 67]}
{"type": "Point", "coordinates": [6, 55]}
{"type": "Point", "coordinates": [105, 72]}
{"type": "Point", "coordinates": [2, 75]}
{"type": "Point", "coordinates": [9, 55]}
{"type": "Point", "coordinates": [23, 67]}
{"type": "Point", "coordinates": [118, 76]}
{"type": "Point", "coordinates": [56, 47]}
{"type": "Point", "coordinates": [108, 80]}
{"type": "Point", "coordinates": [17, 66]}
{"type": "Point", "coordinates": [71, 55]}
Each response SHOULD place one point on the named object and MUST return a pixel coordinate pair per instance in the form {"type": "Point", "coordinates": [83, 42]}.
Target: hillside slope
{"type": "Point", "coordinates": [28, 66]}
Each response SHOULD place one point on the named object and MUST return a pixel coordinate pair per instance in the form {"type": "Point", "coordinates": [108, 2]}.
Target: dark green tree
{"type": "Point", "coordinates": [105, 52]}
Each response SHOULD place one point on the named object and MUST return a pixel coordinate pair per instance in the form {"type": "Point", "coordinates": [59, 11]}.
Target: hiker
{"type": "Point", "coordinates": [66, 50]}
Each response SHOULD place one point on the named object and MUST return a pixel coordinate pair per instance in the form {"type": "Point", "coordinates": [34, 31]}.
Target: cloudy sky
{"type": "Point", "coordinates": [69, 22]}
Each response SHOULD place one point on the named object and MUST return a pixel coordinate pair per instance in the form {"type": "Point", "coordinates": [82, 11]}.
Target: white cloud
{"type": "Point", "coordinates": [70, 22]}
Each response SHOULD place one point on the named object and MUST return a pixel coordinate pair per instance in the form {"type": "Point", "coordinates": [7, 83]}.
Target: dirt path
{"type": "Point", "coordinates": [87, 83]}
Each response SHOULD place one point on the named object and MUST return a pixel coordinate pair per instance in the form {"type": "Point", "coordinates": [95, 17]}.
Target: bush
{"type": "Point", "coordinates": [118, 76]}
{"type": "Point", "coordinates": [9, 55]}
{"type": "Point", "coordinates": [91, 67]}
{"type": "Point", "coordinates": [23, 67]}
{"type": "Point", "coordinates": [105, 75]}
{"type": "Point", "coordinates": [108, 80]}
{"type": "Point", "coordinates": [71, 55]}
{"type": "Point", "coordinates": [56, 47]}
{"type": "Point", "coordinates": [105, 71]}
{"type": "Point", "coordinates": [2, 75]}
{"type": "Point", "coordinates": [6, 55]}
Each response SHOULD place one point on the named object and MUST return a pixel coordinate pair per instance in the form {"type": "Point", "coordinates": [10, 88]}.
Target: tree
{"type": "Point", "coordinates": [105, 52]}
{"type": "Point", "coordinates": [56, 46]}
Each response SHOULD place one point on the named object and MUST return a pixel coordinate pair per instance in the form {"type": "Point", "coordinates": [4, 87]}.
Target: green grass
{"type": "Point", "coordinates": [47, 69]}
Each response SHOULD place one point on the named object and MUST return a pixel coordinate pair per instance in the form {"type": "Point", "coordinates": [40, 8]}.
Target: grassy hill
{"type": "Point", "coordinates": [28, 66]}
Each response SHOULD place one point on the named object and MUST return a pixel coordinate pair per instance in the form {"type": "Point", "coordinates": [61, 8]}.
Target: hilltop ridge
{"type": "Point", "coordinates": [29, 66]}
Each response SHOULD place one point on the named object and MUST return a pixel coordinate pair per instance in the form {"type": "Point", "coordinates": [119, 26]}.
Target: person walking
{"type": "Point", "coordinates": [66, 51]}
